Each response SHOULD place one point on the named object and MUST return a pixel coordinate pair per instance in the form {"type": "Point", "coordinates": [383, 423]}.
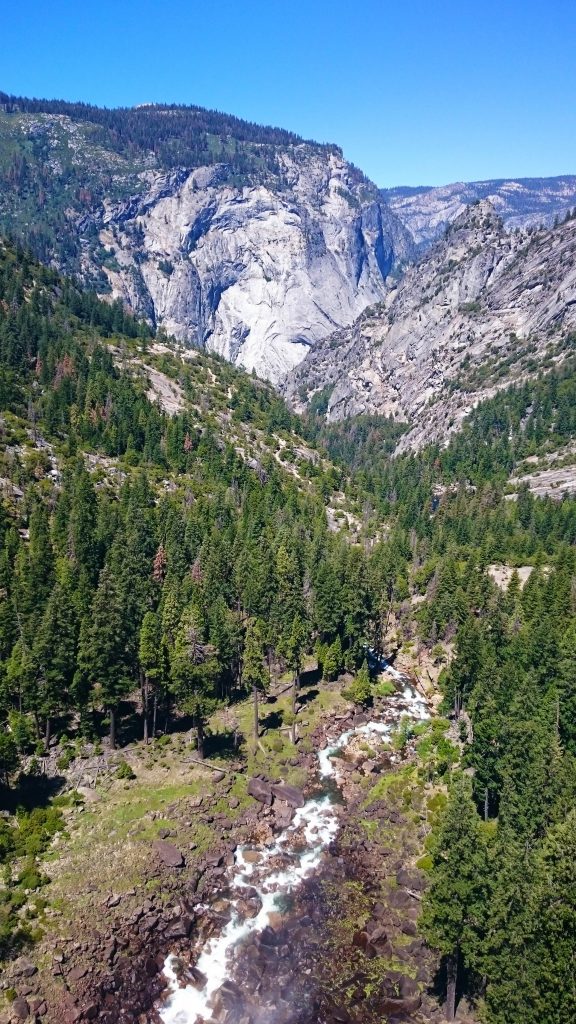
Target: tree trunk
{"type": "Point", "coordinates": [486, 804]}
{"type": "Point", "coordinates": [47, 733]}
{"type": "Point", "coordinates": [200, 738]}
{"type": "Point", "coordinates": [256, 720]}
{"type": "Point", "coordinates": [112, 714]}
{"type": "Point", "coordinates": [144, 691]}
{"type": "Point", "coordinates": [154, 711]}
{"type": "Point", "coordinates": [451, 980]}
{"type": "Point", "coordinates": [295, 688]}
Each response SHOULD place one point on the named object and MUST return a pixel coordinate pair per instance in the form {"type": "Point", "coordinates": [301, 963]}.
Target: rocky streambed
{"type": "Point", "coordinates": [300, 908]}
{"type": "Point", "coordinates": [264, 949]}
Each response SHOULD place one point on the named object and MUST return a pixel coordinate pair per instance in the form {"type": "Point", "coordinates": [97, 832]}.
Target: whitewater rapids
{"type": "Point", "coordinates": [318, 821]}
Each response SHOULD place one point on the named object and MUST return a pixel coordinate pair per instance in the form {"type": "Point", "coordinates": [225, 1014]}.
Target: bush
{"type": "Point", "coordinates": [124, 771]}
{"type": "Point", "coordinates": [360, 691]}
{"type": "Point", "coordinates": [384, 689]}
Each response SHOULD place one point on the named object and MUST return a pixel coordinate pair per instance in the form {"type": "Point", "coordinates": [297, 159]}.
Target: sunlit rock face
{"type": "Point", "coordinates": [483, 298]}
{"type": "Point", "coordinates": [256, 273]}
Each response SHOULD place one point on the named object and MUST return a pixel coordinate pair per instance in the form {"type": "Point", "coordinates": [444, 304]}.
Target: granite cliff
{"type": "Point", "coordinates": [256, 273]}
{"type": "Point", "coordinates": [242, 239]}
{"type": "Point", "coordinates": [483, 308]}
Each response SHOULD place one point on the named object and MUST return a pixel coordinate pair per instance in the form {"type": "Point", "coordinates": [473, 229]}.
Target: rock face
{"type": "Point", "coordinates": [256, 273]}
{"type": "Point", "coordinates": [520, 202]}
{"type": "Point", "coordinates": [481, 298]}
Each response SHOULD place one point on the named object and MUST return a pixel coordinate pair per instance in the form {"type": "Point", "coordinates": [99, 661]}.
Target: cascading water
{"type": "Point", "coordinates": [317, 822]}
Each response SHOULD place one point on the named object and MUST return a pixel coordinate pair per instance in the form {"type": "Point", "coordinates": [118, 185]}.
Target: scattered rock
{"type": "Point", "coordinates": [21, 1009]}
{"type": "Point", "coordinates": [289, 794]}
{"type": "Point", "coordinates": [169, 854]}
{"type": "Point", "coordinates": [77, 973]}
{"type": "Point", "coordinates": [261, 791]}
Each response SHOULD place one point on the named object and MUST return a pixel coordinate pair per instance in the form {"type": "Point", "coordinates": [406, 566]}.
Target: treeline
{"type": "Point", "coordinates": [177, 135]}
{"type": "Point", "coordinates": [98, 582]}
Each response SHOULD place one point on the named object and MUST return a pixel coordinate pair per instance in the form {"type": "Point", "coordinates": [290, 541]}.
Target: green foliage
{"type": "Point", "coordinates": [360, 691]}
{"type": "Point", "coordinates": [124, 771]}
{"type": "Point", "coordinates": [385, 688]}
{"type": "Point", "coordinates": [455, 906]}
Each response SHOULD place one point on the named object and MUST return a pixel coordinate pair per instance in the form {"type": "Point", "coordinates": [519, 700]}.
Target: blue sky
{"type": "Point", "coordinates": [415, 93]}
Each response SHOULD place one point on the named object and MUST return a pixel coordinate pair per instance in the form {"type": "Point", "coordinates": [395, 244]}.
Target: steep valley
{"type": "Point", "coordinates": [287, 689]}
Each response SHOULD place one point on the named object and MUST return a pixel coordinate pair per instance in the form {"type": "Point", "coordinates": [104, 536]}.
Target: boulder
{"type": "Point", "coordinates": [89, 795]}
{"type": "Point", "coordinates": [261, 791]}
{"type": "Point", "coordinates": [169, 854]}
{"type": "Point", "coordinates": [21, 1009]}
{"type": "Point", "coordinates": [414, 880]}
{"type": "Point", "coordinates": [77, 973]}
{"type": "Point", "coordinates": [398, 899]}
{"type": "Point", "coordinates": [408, 988]}
{"type": "Point", "coordinates": [180, 928]}
{"type": "Point", "coordinates": [289, 794]}
{"type": "Point", "coordinates": [395, 1007]}
{"type": "Point", "coordinates": [23, 968]}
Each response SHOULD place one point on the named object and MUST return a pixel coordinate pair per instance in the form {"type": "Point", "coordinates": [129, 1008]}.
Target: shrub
{"type": "Point", "coordinates": [124, 771]}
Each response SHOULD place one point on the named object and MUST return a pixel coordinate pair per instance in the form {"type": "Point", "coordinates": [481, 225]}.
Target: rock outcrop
{"type": "Point", "coordinates": [258, 273]}
{"type": "Point", "coordinates": [482, 309]}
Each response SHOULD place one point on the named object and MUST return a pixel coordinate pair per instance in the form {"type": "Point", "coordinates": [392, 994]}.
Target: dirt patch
{"type": "Point", "coordinates": [502, 574]}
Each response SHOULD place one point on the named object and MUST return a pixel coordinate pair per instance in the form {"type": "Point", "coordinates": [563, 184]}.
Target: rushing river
{"type": "Point", "coordinates": [318, 822]}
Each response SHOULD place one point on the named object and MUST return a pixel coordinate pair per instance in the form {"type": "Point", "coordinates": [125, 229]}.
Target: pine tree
{"type": "Point", "coordinates": [54, 651]}
{"type": "Point", "coordinates": [333, 659]}
{"type": "Point", "coordinates": [454, 907]}
{"type": "Point", "coordinates": [152, 660]}
{"type": "Point", "coordinates": [194, 670]}
{"type": "Point", "coordinates": [293, 650]}
{"type": "Point", "coordinates": [102, 647]}
{"type": "Point", "coordinates": [360, 692]}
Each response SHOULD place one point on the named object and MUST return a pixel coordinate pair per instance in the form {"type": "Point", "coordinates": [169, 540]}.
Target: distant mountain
{"type": "Point", "coordinates": [242, 239]}
{"type": "Point", "coordinates": [483, 308]}
{"type": "Point", "coordinates": [520, 202]}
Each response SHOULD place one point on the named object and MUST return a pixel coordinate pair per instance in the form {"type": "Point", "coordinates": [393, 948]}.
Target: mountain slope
{"type": "Point", "coordinates": [520, 202]}
{"type": "Point", "coordinates": [483, 308]}
{"type": "Point", "coordinates": [245, 240]}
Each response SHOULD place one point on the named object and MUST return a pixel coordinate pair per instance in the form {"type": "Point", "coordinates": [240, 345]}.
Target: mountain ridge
{"type": "Point", "coordinates": [252, 244]}
{"type": "Point", "coordinates": [426, 210]}
{"type": "Point", "coordinates": [481, 308]}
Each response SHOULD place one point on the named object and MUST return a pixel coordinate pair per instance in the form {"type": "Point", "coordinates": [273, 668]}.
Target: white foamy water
{"type": "Point", "coordinates": [318, 822]}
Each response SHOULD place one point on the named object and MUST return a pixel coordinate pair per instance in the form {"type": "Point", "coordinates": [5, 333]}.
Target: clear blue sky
{"type": "Point", "coordinates": [415, 92]}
